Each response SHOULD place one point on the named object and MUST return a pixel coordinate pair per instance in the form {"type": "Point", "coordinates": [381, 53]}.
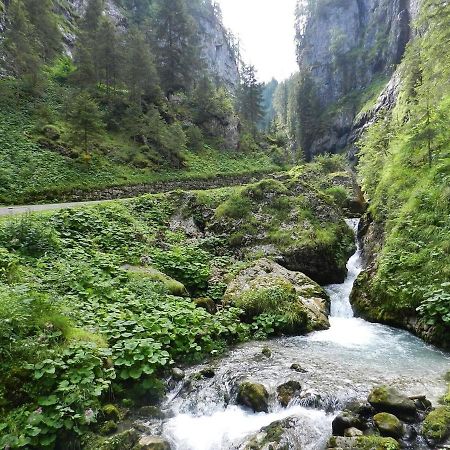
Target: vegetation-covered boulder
{"type": "Point", "coordinates": [291, 221]}
{"type": "Point", "coordinates": [266, 287]}
{"type": "Point", "coordinates": [388, 399]}
{"type": "Point", "coordinates": [436, 426]}
{"type": "Point", "coordinates": [389, 425]}
{"type": "Point", "coordinates": [276, 436]}
{"type": "Point", "coordinates": [254, 396]}
{"type": "Point", "coordinates": [152, 443]}
{"type": "Point", "coordinates": [363, 443]}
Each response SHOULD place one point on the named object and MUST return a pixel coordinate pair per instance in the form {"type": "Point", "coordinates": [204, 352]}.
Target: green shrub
{"type": "Point", "coordinates": [28, 236]}
{"type": "Point", "coordinates": [8, 264]}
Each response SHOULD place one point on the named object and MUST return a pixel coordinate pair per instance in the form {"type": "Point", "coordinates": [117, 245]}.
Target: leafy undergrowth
{"type": "Point", "coordinates": [35, 168]}
{"type": "Point", "coordinates": [88, 314]}
{"type": "Point", "coordinates": [405, 171]}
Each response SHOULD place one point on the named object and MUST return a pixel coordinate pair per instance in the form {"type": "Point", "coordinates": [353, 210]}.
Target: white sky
{"type": "Point", "coordinates": [266, 30]}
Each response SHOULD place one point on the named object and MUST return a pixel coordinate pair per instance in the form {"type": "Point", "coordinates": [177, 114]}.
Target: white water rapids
{"type": "Point", "coordinates": [341, 364]}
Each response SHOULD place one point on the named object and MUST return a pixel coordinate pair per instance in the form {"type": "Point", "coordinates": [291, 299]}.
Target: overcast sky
{"type": "Point", "coordinates": [266, 30]}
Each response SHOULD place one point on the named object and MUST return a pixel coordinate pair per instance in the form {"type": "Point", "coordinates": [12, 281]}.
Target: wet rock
{"type": "Point", "coordinates": [362, 409]}
{"type": "Point", "coordinates": [287, 391]}
{"type": "Point", "coordinates": [363, 443]}
{"type": "Point", "coordinates": [352, 432]}
{"type": "Point", "coordinates": [421, 402]}
{"type": "Point", "coordinates": [266, 352]}
{"type": "Point", "coordinates": [436, 426]}
{"type": "Point", "coordinates": [208, 372]}
{"type": "Point", "coordinates": [389, 425]}
{"type": "Point", "coordinates": [304, 302]}
{"type": "Point", "coordinates": [298, 368]}
{"type": "Point", "coordinates": [151, 412]}
{"type": "Point", "coordinates": [387, 399]}
{"type": "Point", "coordinates": [254, 396]}
{"type": "Point", "coordinates": [346, 420]}
{"type": "Point", "coordinates": [207, 304]}
{"type": "Point", "coordinates": [279, 435]}
{"type": "Point", "coordinates": [178, 374]}
{"type": "Point", "coordinates": [152, 443]}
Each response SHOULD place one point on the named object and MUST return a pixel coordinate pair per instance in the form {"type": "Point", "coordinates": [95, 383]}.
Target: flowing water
{"type": "Point", "coordinates": [340, 364]}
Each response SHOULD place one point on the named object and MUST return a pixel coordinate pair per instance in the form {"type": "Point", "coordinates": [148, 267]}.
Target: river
{"type": "Point", "coordinates": [340, 364]}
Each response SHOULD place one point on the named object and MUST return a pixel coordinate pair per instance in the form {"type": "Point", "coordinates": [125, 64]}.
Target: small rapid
{"type": "Point", "coordinates": [338, 365]}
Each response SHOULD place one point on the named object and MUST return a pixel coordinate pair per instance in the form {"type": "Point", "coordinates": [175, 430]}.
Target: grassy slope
{"type": "Point", "coordinates": [412, 198]}
{"type": "Point", "coordinates": [30, 171]}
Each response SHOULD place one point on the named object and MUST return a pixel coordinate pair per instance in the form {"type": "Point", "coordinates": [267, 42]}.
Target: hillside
{"type": "Point", "coordinates": [89, 104]}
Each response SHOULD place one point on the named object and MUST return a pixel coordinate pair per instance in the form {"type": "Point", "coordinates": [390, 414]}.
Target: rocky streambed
{"type": "Point", "coordinates": [295, 392]}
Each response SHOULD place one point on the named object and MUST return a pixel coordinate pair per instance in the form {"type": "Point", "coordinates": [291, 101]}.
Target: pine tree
{"type": "Point", "coordinates": [141, 77]}
{"type": "Point", "coordinates": [250, 98]}
{"type": "Point", "coordinates": [108, 52]}
{"type": "Point", "coordinates": [85, 120]}
{"type": "Point", "coordinates": [176, 45]}
{"type": "Point", "coordinates": [46, 30]}
{"type": "Point", "coordinates": [85, 56]}
{"type": "Point", "coordinates": [22, 51]}
{"type": "Point", "coordinates": [308, 114]}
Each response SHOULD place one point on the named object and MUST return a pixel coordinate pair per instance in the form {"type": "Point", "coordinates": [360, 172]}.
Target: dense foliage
{"type": "Point", "coordinates": [98, 303]}
{"type": "Point", "coordinates": [405, 167]}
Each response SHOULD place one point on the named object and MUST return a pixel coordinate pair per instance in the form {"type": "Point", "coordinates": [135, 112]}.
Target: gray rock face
{"type": "Point", "coordinates": [217, 50]}
{"type": "Point", "coordinates": [346, 45]}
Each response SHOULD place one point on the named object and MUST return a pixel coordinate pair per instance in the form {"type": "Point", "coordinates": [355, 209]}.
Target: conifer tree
{"type": "Point", "coordinates": [108, 54]}
{"type": "Point", "coordinates": [46, 31]}
{"type": "Point", "coordinates": [250, 98]}
{"type": "Point", "coordinates": [140, 72]}
{"type": "Point", "coordinates": [176, 45]}
{"type": "Point", "coordinates": [21, 49]}
{"type": "Point", "coordinates": [85, 120]}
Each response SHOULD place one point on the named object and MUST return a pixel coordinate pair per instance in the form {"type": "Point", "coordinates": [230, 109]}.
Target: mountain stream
{"type": "Point", "coordinates": [338, 365]}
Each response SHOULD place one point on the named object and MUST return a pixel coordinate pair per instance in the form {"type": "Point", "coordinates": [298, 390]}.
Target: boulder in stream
{"type": "Point", "coordinates": [363, 443]}
{"type": "Point", "coordinates": [436, 426]}
{"type": "Point", "coordinates": [152, 443]}
{"type": "Point", "coordinates": [389, 425]}
{"type": "Point", "coordinates": [254, 396]}
{"type": "Point", "coordinates": [287, 391]}
{"type": "Point", "coordinates": [347, 419]}
{"type": "Point", "coordinates": [267, 287]}
{"type": "Point", "coordinates": [388, 399]}
{"type": "Point", "coordinates": [279, 435]}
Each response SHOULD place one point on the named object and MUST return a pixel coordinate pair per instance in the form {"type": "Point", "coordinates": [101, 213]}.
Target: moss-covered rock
{"type": "Point", "coordinates": [287, 391]}
{"type": "Point", "coordinates": [108, 428]}
{"type": "Point", "coordinates": [291, 221]}
{"type": "Point", "coordinates": [152, 443]}
{"type": "Point", "coordinates": [266, 287]}
{"type": "Point", "coordinates": [254, 396]}
{"type": "Point", "coordinates": [275, 436]}
{"type": "Point", "coordinates": [363, 443]}
{"type": "Point", "coordinates": [388, 399]}
{"type": "Point", "coordinates": [110, 412]}
{"type": "Point", "coordinates": [174, 287]}
{"type": "Point", "coordinates": [122, 441]}
{"type": "Point", "coordinates": [436, 426]}
{"type": "Point", "coordinates": [389, 425]}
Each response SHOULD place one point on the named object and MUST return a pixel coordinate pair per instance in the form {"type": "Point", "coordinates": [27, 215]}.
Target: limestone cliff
{"type": "Point", "coordinates": [347, 45]}
{"type": "Point", "coordinates": [216, 48]}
